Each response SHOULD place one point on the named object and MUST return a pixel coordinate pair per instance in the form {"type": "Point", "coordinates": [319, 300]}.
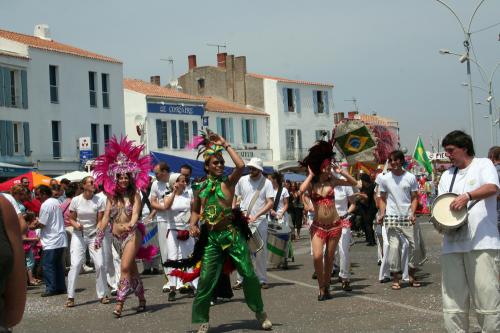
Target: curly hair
{"type": "Point", "coordinates": [318, 153]}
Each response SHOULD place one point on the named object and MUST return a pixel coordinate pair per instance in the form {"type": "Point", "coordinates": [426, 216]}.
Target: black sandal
{"type": "Point", "coordinates": [142, 306]}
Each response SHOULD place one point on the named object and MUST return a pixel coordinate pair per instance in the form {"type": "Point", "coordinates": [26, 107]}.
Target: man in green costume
{"type": "Point", "coordinates": [212, 206]}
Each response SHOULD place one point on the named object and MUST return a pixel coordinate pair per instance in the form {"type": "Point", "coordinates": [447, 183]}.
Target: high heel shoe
{"type": "Point", "coordinates": [118, 309]}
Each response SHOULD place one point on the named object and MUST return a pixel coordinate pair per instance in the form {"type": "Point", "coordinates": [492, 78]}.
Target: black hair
{"type": "Point", "coordinates": [65, 181]}
{"type": "Point", "coordinates": [317, 154]}
{"type": "Point", "coordinates": [459, 139]}
{"type": "Point", "coordinates": [71, 190]}
{"type": "Point", "coordinates": [163, 166]}
{"type": "Point", "coordinates": [365, 177]}
{"type": "Point", "coordinates": [397, 155]}
{"type": "Point", "coordinates": [278, 177]}
{"type": "Point", "coordinates": [187, 166]}
{"type": "Point", "coordinates": [45, 190]}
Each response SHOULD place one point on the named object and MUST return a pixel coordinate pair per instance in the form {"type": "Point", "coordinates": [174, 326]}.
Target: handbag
{"type": "Point", "coordinates": [183, 235]}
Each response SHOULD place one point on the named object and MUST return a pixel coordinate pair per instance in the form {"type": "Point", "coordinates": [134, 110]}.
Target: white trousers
{"type": "Point", "coordinates": [78, 246]}
{"type": "Point", "coordinates": [112, 260]}
{"type": "Point", "coordinates": [259, 260]}
{"type": "Point", "coordinates": [470, 275]}
{"type": "Point", "coordinates": [342, 257]}
{"type": "Point", "coordinates": [384, 271]}
{"type": "Point", "coordinates": [177, 249]}
{"type": "Point", "coordinates": [162, 243]}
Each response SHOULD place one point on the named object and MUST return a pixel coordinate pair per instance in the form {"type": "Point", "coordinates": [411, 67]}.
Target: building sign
{"type": "Point", "coordinates": [439, 156]}
{"type": "Point", "coordinates": [205, 121]}
{"type": "Point", "coordinates": [180, 109]}
{"type": "Point", "coordinates": [85, 150]}
{"type": "Point", "coordinates": [84, 143]}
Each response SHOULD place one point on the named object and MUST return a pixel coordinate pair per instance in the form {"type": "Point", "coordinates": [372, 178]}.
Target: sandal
{"type": "Point", "coordinates": [346, 285]}
{"type": "Point", "coordinates": [70, 303]}
{"type": "Point", "coordinates": [414, 284]}
{"type": "Point", "coordinates": [104, 300]}
{"type": "Point", "coordinates": [34, 283]}
{"type": "Point", "coordinates": [118, 309]}
{"type": "Point", "coordinates": [395, 286]}
{"type": "Point", "coordinates": [142, 306]}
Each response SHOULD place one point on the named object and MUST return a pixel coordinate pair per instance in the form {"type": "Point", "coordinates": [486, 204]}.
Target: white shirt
{"type": "Point", "coordinates": [86, 211]}
{"type": "Point", "coordinates": [246, 188]}
{"type": "Point", "coordinates": [342, 194]}
{"type": "Point", "coordinates": [398, 189]}
{"type": "Point", "coordinates": [159, 190]}
{"type": "Point", "coordinates": [52, 235]}
{"type": "Point", "coordinates": [13, 202]}
{"type": "Point", "coordinates": [180, 211]}
{"type": "Point", "coordinates": [482, 230]}
{"type": "Point", "coordinates": [281, 202]}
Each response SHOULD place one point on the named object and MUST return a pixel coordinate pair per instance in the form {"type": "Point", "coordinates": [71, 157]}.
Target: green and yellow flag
{"type": "Point", "coordinates": [420, 155]}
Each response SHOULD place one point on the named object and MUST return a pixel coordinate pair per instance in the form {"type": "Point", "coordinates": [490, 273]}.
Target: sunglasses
{"type": "Point", "coordinates": [218, 163]}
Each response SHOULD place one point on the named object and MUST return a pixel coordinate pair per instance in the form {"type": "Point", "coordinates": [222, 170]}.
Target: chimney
{"type": "Point", "coordinates": [155, 80]}
{"type": "Point", "coordinates": [42, 31]}
{"type": "Point", "coordinates": [192, 61]}
{"type": "Point", "coordinates": [352, 114]}
{"type": "Point", "coordinates": [338, 117]}
{"type": "Point", "coordinates": [221, 60]}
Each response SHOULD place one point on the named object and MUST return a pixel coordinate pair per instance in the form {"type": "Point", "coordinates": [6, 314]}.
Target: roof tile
{"type": "Point", "coordinates": [280, 79]}
{"type": "Point", "coordinates": [154, 90]}
{"type": "Point", "coordinates": [219, 105]}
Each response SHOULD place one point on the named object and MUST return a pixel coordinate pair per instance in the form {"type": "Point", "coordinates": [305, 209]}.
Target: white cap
{"type": "Point", "coordinates": [256, 163]}
{"type": "Point", "coordinates": [173, 179]}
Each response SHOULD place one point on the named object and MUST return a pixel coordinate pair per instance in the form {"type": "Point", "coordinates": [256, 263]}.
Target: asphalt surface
{"type": "Point", "coordinates": [291, 302]}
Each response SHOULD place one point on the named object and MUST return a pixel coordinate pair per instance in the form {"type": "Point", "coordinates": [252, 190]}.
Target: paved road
{"type": "Point", "coordinates": [290, 302]}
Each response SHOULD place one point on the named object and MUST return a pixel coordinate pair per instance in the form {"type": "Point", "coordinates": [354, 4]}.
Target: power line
{"type": "Point", "coordinates": [486, 28]}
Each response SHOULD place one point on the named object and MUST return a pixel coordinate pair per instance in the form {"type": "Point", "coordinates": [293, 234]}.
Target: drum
{"type": "Point", "coordinates": [443, 218]}
{"type": "Point", "coordinates": [255, 243]}
{"type": "Point", "coordinates": [277, 247]}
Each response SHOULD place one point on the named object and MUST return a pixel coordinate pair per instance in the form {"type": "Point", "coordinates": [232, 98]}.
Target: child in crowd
{"type": "Point", "coordinates": [30, 239]}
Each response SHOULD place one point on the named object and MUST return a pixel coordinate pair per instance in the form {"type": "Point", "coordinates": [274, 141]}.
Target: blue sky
{"type": "Point", "coordinates": [384, 53]}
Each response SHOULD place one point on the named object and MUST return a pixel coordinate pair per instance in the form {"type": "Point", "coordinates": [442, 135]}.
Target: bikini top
{"type": "Point", "coordinates": [116, 211]}
{"type": "Point", "coordinates": [319, 199]}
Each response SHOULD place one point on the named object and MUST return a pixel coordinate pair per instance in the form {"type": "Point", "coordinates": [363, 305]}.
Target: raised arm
{"type": "Point", "coordinates": [348, 181]}
{"type": "Point", "coordinates": [239, 165]}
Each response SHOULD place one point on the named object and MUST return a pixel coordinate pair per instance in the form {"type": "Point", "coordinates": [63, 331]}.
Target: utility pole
{"type": "Point", "coordinates": [218, 46]}
{"type": "Point", "coordinates": [354, 102]}
{"type": "Point", "coordinates": [173, 79]}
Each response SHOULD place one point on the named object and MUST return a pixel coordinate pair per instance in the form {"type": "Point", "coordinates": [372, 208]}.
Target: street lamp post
{"type": "Point", "coordinates": [489, 99]}
{"type": "Point", "coordinates": [466, 57]}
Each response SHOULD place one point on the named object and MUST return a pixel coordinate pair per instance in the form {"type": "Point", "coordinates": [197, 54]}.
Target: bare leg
{"type": "Point", "coordinates": [329, 256]}
{"type": "Point", "coordinates": [317, 248]}
{"type": "Point", "coordinates": [128, 271]}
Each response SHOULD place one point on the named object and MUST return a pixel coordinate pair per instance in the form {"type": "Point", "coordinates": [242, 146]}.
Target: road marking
{"type": "Point", "coordinates": [366, 298]}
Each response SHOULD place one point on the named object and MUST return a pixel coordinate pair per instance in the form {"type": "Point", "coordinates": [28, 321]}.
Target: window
{"type": "Point", "coordinates": [92, 89]}
{"type": "Point", "coordinates": [54, 93]}
{"type": "Point", "coordinates": [107, 134]}
{"type": "Point", "coordinates": [249, 130]}
{"type": "Point", "coordinates": [291, 100]}
{"type": "Point", "coordinates": [164, 134]}
{"type": "Point", "coordinates": [183, 134]}
{"type": "Point", "coordinates": [320, 106]}
{"type": "Point", "coordinates": [201, 84]}
{"type": "Point", "coordinates": [13, 88]}
{"type": "Point", "coordinates": [225, 128]}
{"type": "Point", "coordinates": [105, 90]}
{"type": "Point", "coordinates": [18, 138]}
{"type": "Point", "coordinates": [294, 149]}
{"type": "Point", "coordinates": [56, 139]}
{"type": "Point", "coordinates": [322, 134]}
{"type": "Point", "coordinates": [94, 139]}
{"type": "Point", "coordinates": [290, 104]}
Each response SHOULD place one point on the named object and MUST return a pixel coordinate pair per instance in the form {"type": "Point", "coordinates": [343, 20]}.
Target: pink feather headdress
{"type": "Point", "coordinates": [122, 157]}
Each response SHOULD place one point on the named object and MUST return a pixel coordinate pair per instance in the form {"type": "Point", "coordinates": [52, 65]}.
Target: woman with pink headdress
{"type": "Point", "coordinates": [123, 172]}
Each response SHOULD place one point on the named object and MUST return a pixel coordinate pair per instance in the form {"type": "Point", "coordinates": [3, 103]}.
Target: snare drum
{"type": "Point", "coordinates": [255, 243]}
{"type": "Point", "coordinates": [444, 219]}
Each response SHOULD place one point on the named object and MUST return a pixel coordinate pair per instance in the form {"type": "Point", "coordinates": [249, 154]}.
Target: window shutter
{"type": "Point", "coordinates": [285, 99]}
{"type": "Point", "coordinates": [325, 102]}
{"type": "Point", "coordinates": [2, 93]}
{"type": "Point", "coordinates": [244, 130]}
{"type": "Point", "coordinates": [315, 102]}
{"type": "Point", "coordinates": [6, 87]}
{"type": "Point", "coordinates": [254, 129]}
{"type": "Point", "coordinates": [219, 125]}
{"type": "Point", "coordinates": [24, 87]}
{"type": "Point", "coordinates": [26, 132]}
{"type": "Point", "coordinates": [10, 138]}
{"type": "Point", "coordinates": [296, 93]}
{"type": "Point", "coordinates": [182, 138]}
{"type": "Point", "coordinates": [3, 136]}
{"type": "Point", "coordinates": [173, 124]}
{"type": "Point", "coordinates": [231, 131]}
{"type": "Point", "coordinates": [159, 134]}
{"type": "Point", "coordinates": [299, 138]}
{"type": "Point", "coordinates": [195, 128]}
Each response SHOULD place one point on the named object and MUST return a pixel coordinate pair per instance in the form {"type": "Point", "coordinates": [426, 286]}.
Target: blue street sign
{"type": "Point", "coordinates": [85, 155]}
{"type": "Point", "coordinates": [188, 110]}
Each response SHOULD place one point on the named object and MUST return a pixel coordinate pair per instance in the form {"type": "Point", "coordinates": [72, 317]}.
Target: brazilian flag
{"type": "Point", "coordinates": [355, 142]}
{"type": "Point", "coordinates": [421, 157]}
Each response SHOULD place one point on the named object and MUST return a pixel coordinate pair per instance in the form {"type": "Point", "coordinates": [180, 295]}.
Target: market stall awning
{"type": "Point", "coordinates": [12, 170]}
{"type": "Point", "coordinates": [74, 176]}
{"type": "Point", "coordinates": [34, 178]}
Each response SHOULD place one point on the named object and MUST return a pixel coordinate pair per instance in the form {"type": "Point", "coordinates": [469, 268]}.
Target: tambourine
{"type": "Point", "coordinates": [444, 219]}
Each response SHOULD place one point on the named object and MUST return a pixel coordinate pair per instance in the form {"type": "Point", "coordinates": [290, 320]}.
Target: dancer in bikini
{"type": "Point", "coordinates": [123, 172]}
{"type": "Point", "coordinates": [327, 225]}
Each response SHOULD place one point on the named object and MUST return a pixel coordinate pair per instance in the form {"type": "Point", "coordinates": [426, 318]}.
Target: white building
{"type": "Point", "coordinates": [51, 95]}
{"type": "Point", "coordinates": [165, 120]}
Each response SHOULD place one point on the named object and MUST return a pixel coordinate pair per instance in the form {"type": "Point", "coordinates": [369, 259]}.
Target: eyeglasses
{"type": "Point", "coordinates": [253, 169]}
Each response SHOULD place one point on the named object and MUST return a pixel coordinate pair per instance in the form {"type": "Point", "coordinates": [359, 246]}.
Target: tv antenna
{"type": "Point", "coordinates": [218, 46]}
{"type": "Point", "coordinates": [173, 79]}
{"type": "Point", "coordinates": [354, 102]}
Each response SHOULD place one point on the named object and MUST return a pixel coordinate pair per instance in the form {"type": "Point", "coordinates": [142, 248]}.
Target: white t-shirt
{"type": "Point", "coordinates": [52, 235]}
{"type": "Point", "coordinates": [86, 211]}
{"type": "Point", "coordinates": [180, 211]}
{"type": "Point", "coordinates": [398, 189]}
{"type": "Point", "coordinates": [482, 230]}
{"type": "Point", "coordinates": [246, 188]}
{"type": "Point", "coordinates": [281, 202]}
{"type": "Point", "coordinates": [13, 202]}
{"type": "Point", "coordinates": [342, 194]}
{"type": "Point", "coordinates": [159, 190]}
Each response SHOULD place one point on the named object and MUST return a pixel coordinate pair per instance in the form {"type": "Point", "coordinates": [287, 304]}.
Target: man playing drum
{"type": "Point", "coordinates": [397, 205]}
{"type": "Point", "coordinates": [468, 255]}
